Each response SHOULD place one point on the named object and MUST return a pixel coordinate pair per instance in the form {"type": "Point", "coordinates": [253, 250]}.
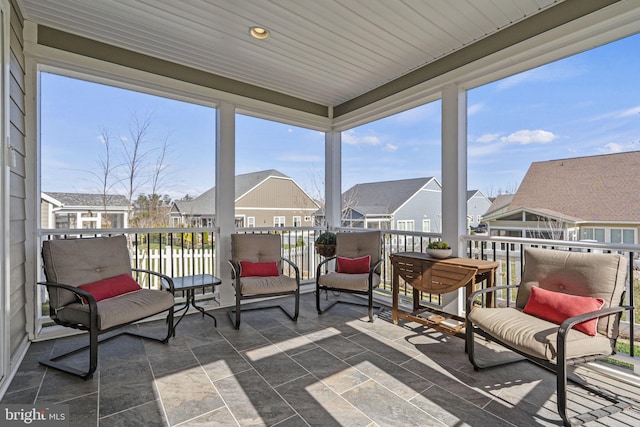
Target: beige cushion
{"type": "Point", "coordinates": [535, 336]}
{"type": "Point", "coordinates": [354, 282]}
{"type": "Point", "coordinates": [120, 310]}
{"type": "Point", "coordinates": [583, 274]}
{"type": "Point", "coordinates": [79, 261]}
{"type": "Point", "coordinates": [267, 285]}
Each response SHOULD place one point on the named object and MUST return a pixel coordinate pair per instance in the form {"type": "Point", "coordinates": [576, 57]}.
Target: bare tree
{"type": "Point", "coordinates": [104, 174]}
{"type": "Point", "coordinates": [135, 155]}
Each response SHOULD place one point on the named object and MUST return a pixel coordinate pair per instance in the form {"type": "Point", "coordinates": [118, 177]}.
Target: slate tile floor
{"type": "Point", "coordinates": [330, 370]}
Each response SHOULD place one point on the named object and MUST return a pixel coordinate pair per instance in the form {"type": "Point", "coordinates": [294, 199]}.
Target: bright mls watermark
{"type": "Point", "coordinates": [34, 415]}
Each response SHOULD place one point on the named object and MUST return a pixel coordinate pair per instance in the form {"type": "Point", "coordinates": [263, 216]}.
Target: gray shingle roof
{"type": "Point", "coordinates": [205, 204]}
{"type": "Point", "coordinates": [382, 198]}
{"type": "Point", "coordinates": [595, 188]}
{"type": "Point", "coordinates": [79, 199]}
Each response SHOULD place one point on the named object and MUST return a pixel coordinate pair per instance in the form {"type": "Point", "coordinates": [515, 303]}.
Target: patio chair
{"type": "Point", "coordinates": [567, 312]}
{"type": "Point", "coordinates": [257, 272]}
{"type": "Point", "coordinates": [91, 288]}
{"type": "Point", "coordinates": [357, 269]}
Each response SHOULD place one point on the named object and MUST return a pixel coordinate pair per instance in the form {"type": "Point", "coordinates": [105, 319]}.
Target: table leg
{"type": "Point", "coordinates": [395, 289]}
{"type": "Point", "coordinates": [201, 309]}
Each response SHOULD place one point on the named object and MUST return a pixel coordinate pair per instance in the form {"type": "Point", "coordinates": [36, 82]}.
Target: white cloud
{"type": "Point", "coordinates": [101, 139]}
{"type": "Point", "coordinates": [475, 108]}
{"type": "Point", "coordinates": [418, 114]}
{"type": "Point", "coordinates": [350, 137]}
{"type": "Point", "coordinates": [526, 136]}
{"type": "Point", "coordinates": [488, 137]}
{"type": "Point", "coordinates": [630, 112]}
{"type": "Point", "coordinates": [390, 147]}
{"type": "Point", "coordinates": [547, 73]}
{"type": "Point", "coordinates": [613, 147]}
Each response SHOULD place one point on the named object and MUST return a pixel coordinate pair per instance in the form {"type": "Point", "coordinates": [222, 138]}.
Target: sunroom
{"type": "Point", "coordinates": [326, 66]}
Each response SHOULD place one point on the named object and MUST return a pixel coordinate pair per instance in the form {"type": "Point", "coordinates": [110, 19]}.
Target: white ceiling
{"type": "Point", "coordinates": [324, 51]}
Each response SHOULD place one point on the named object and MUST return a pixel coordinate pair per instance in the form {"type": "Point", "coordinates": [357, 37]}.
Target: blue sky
{"type": "Point", "coordinates": [584, 105]}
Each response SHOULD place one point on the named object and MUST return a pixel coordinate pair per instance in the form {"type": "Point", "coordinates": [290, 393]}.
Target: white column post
{"type": "Point", "coordinates": [225, 196]}
{"type": "Point", "coordinates": [454, 179]}
{"type": "Point", "coordinates": [333, 178]}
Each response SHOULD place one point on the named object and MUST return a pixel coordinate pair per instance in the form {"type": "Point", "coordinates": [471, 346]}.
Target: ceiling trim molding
{"type": "Point", "coordinates": [50, 37]}
{"type": "Point", "coordinates": [563, 13]}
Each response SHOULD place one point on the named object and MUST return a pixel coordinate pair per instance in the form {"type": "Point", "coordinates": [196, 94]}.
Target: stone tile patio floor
{"type": "Point", "coordinates": [336, 369]}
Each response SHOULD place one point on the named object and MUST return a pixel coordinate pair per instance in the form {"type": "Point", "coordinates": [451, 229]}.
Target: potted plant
{"type": "Point", "coordinates": [326, 244]}
{"type": "Point", "coordinates": [439, 249]}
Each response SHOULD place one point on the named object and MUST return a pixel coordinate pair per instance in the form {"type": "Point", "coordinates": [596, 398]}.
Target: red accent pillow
{"type": "Point", "coordinates": [557, 307]}
{"type": "Point", "coordinates": [258, 269]}
{"type": "Point", "coordinates": [354, 265]}
{"type": "Point", "coordinates": [111, 287]}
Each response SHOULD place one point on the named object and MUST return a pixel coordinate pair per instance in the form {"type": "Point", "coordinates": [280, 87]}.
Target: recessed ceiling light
{"type": "Point", "coordinates": [259, 33]}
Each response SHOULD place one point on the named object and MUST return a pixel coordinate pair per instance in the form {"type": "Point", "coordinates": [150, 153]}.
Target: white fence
{"type": "Point", "coordinates": [176, 262]}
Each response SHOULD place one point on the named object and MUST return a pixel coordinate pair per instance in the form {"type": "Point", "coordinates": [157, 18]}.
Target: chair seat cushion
{"type": "Point", "coordinates": [120, 310]}
{"type": "Point", "coordinates": [352, 282]}
{"type": "Point", "coordinates": [267, 285]}
{"type": "Point", "coordinates": [535, 336]}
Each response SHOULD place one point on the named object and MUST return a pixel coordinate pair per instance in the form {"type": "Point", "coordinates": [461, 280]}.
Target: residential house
{"type": "Point", "coordinates": [405, 204]}
{"type": "Point", "coordinates": [85, 211]}
{"type": "Point", "coordinates": [477, 206]}
{"type": "Point", "coordinates": [263, 199]}
{"type": "Point", "coordinates": [585, 198]}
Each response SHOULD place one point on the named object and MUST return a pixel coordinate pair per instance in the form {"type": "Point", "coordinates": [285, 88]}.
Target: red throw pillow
{"type": "Point", "coordinates": [111, 287]}
{"type": "Point", "coordinates": [354, 265]}
{"type": "Point", "coordinates": [557, 307]}
{"type": "Point", "coordinates": [258, 269]}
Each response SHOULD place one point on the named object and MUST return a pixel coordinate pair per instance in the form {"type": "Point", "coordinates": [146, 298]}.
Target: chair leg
{"type": "Point", "coordinates": [236, 322]}
{"type": "Point", "coordinates": [291, 316]}
{"type": "Point", "coordinates": [94, 341]}
{"type": "Point", "coordinates": [369, 305]}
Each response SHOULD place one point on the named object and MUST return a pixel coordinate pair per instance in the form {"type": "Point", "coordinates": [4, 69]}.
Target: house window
{"type": "Point", "coordinates": [251, 221]}
{"type": "Point", "coordinates": [622, 235]}
{"type": "Point", "coordinates": [66, 220]}
{"type": "Point", "coordinates": [112, 220]}
{"type": "Point", "coordinates": [426, 225]}
{"type": "Point", "coordinates": [278, 221]}
{"type": "Point", "coordinates": [406, 225]}
{"type": "Point", "coordinates": [297, 221]}
{"type": "Point", "coordinates": [596, 234]}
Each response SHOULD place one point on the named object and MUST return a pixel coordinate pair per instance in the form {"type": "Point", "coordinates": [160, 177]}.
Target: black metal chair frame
{"type": "Point", "coordinates": [368, 293]}
{"type": "Point", "coordinates": [234, 315]}
{"type": "Point", "coordinates": [92, 328]}
{"type": "Point", "coordinates": [559, 368]}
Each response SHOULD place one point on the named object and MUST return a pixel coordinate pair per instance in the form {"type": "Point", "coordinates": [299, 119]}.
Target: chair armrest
{"type": "Point", "coordinates": [163, 277]}
{"type": "Point", "coordinates": [295, 267]}
{"type": "Point", "coordinates": [91, 300]}
{"type": "Point", "coordinates": [569, 323]}
{"type": "Point", "coordinates": [376, 265]}
{"type": "Point", "coordinates": [236, 269]}
{"type": "Point", "coordinates": [319, 269]}
{"type": "Point", "coordinates": [486, 291]}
